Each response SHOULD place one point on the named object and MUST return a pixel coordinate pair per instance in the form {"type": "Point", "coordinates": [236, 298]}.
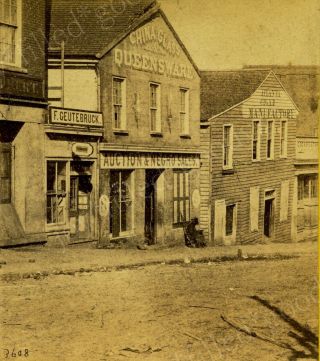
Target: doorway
{"type": "Point", "coordinates": [151, 205]}
{"type": "Point", "coordinates": [269, 217]}
{"type": "Point", "coordinates": [79, 210]}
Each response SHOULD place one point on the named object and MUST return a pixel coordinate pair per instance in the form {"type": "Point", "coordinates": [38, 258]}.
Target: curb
{"type": "Point", "coordinates": [12, 276]}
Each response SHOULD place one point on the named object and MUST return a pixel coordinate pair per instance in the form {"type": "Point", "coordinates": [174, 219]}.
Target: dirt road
{"type": "Point", "coordinates": [164, 312]}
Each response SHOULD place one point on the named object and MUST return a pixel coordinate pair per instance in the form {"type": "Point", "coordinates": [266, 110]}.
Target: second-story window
{"type": "Point", "coordinates": [283, 139]}
{"type": "Point", "coordinates": [184, 111]}
{"type": "Point", "coordinates": [9, 31]}
{"type": "Point", "coordinates": [256, 140]}
{"type": "Point", "coordinates": [227, 146]}
{"type": "Point", "coordinates": [155, 108]}
{"type": "Point", "coordinates": [270, 142]}
{"type": "Point", "coordinates": [119, 104]}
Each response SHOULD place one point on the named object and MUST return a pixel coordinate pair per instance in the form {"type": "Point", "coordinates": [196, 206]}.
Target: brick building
{"type": "Point", "coordinates": [248, 130]}
{"type": "Point", "coordinates": [22, 113]}
{"type": "Point", "coordinates": [147, 88]}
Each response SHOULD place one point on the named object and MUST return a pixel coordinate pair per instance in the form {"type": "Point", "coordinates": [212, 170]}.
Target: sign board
{"type": "Point", "coordinates": [80, 118]}
{"type": "Point", "coordinates": [133, 160]}
{"type": "Point", "coordinates": [21, 85]}
{"type": "Point", "coordinates": [269, 102]}
{"type": "Point", "coordinates": [82, 149]}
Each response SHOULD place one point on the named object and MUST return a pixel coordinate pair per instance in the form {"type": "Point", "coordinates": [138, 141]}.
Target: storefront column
{"type": "Point", "coordinates": [294, 224]}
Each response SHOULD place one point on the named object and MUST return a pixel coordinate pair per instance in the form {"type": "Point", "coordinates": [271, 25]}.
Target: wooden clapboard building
{"type": "Point", "coordinates": [302, 83]}
{"type": "Point", "coordinates": [248, 130]}
{"type": "Point", "coordinates": [147, 88]}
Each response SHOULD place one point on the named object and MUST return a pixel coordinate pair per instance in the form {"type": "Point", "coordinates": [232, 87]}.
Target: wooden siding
{"type": "Point", "coordinates": [205, 181]}
{"type": "Point", "coordinates": [265, 174]}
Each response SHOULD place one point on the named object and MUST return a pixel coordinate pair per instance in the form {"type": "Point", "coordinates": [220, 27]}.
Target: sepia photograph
{"type": "Point", "coordinates": [159, 180]}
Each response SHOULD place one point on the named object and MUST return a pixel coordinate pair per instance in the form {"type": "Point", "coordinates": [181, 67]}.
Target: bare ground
{"type": "Point", "coordinates": [166, 312]}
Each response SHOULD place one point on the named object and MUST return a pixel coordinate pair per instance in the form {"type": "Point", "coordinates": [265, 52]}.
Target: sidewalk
{"type": "Point", "coordinates": [39, 261]}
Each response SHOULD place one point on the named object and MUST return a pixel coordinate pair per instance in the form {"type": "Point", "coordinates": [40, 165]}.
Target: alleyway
{"type": "Point", "coordinates": [165, 312]}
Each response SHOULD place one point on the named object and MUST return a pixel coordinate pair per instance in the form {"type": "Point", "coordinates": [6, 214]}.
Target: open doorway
{"type": "Point", "coordinates": [269, 214]}
{"type": "Point", "coordinates": [151, 178]}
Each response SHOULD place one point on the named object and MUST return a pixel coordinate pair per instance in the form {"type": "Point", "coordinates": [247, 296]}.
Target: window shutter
{"type": "Point", "coordinates": [219, 219]}
{"type": "Point", "coordinates": [254, 209]}
{"type": "Point", "coordinates": [284, 201]}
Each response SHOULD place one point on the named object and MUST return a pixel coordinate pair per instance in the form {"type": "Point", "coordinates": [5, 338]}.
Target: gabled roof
{"type": "Point", "coordinates": [302, 82]}
{"type": "Point", "coordinates": [88, 26]}
{"type": "Point", "coordinates": [91, 28]}
{"type": "Point", "coordinates": [221, 90]}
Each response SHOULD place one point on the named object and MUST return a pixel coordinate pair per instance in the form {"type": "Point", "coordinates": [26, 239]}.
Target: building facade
{"type": "Point", "coordinates": [72, 133]}
{"type": "Point", "coordinates": [248, 142]}
{"type": "Point", "coordinates": [146, 158]}
{"type": "Point", "coordinates": [22, 116]}
{"type": "Point", "coordinates": [302, 83]}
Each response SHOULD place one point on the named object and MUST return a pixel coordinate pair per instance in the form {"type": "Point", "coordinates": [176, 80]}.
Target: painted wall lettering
{"type": "Point", "coordinates": [131, 160]}
{"type": "Point", "coordinates": [153, 48]}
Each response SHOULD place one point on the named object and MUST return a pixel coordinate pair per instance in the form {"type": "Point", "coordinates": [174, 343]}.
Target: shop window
{"type": "Point", "coordinates": [56, 192]}
{"type": "Point", "coordinates": [119, 104]}
{"type": "Point", "coordinates": [256, 140]}
{"type": "Point", "coordinates": [230, 219]}
{"type": "Point", "coordinates": [184, 112]}
{"type": "Point", "coordinates": [155, 108]}
{"type": "Point", "coordinates": [5, 173]}
{"type": "Point", "coordinates": [270, 141]}
{"type": "Point", "coordinates": [307, 187]}
{"type": "Point", "coordinates": [227, 146]}
{"type": "Point", "coordinates": [121, 202]}
{"type": "Point", "coordinates": [181, 197]}
{"type": "Point", "coordinates": [314, 187]}
{"type": "Point", "coordinates": [283, 139]}
{"type": "Point", "coordinates": [10, 31]}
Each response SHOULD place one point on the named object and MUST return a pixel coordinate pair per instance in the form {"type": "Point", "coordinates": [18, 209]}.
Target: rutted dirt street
{"type": "Point", "coordinates": [165, 312]}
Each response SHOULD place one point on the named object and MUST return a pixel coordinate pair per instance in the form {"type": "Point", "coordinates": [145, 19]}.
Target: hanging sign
{"type": "Point", "coordinates": [82, 149]}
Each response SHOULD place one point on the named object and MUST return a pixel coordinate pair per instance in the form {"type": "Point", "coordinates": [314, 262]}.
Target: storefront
{"type": "Point", "coordinates": [147, 87]}
{"type": "Point", "coordinates": [71, 151]}
{"type": "Point", "coordinates": [147, 195]}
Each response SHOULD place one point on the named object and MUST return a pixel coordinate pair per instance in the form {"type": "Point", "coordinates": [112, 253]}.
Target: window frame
{"type": "Point", "coordinates": [258, 141]}
{"type": "Point", "coordinates": [271, 157]}
{"type": "Point", "coordinates": [283, 139]}
{"type": "Point", "coordinates": [120, 202]}
{"type": "Point", "coordinates": [178, 197]}
{"type": "Point", "coordinates": [229, 164]}
{"type": "Point", "coordinates": [184, 111]}
{"type": "Point", "coordinates": [57, 193]}
{"type": "Point", "coordinates": [155, 108]}
{"type": "Point", "coordinates": [122, 104]}
{"type": "Point", "coordinates": [15, 25]}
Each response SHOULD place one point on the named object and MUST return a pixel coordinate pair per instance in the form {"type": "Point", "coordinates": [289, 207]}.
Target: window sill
{"type": "Point", "coordinates": [13, 68]}
{"type": "Point", "coordinates": [228, 171]}
{"type": "Point", "coordinates": [185, 136]}
{"type": "Point", "coordinates": [156, 134]}
{"type": "Point", "coordinates": [269, 159]}
{"type": "Point", "coordinates": [256, 160]}
{"type": "Point", "coordinates": [120, 132]}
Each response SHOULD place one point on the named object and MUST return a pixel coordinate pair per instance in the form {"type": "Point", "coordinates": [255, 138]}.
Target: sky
{"type": "Point", "coordinates": [227, 34]}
